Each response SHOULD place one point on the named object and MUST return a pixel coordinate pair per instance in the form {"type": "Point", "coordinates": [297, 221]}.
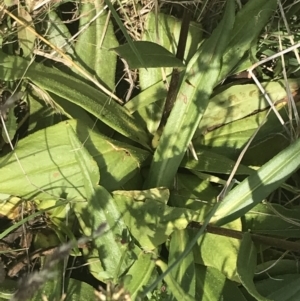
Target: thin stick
{"type": "Point", "coordinates": [274, 56]}
{"type": "Point", "coordinates": [263, 91]}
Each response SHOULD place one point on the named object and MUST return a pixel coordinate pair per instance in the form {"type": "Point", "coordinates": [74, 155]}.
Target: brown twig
{"type": "Point", "coordinates": [261, 239]}
{"type": "Point", "coordinates": [174, 84]}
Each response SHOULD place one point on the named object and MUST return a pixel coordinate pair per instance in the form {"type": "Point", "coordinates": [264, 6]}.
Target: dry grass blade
{"type": "Point", "coordinates": [66, 58]}
{"type": "Point", "coordinates": [32, 283]}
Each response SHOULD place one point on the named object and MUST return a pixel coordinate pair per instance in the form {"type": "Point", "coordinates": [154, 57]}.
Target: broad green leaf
{"type": "Point", "coordinates": [118, 162]}
{"type": "Point", "coordinates": [213, 285]}
{"type": "Point", "coordinates": [219, 252]}
{"type": "Point", "coordinates": [108, 153]}
{"type": "Point", "coordinates": [246, 263]}
{"type": "Point", "coordinates": [50, 167]}
{"type": "Point", "coordinates": [139, 274]}
{"type": "Point", "coordinates": [183, 273]}
{"type": "Point", "coordinates": [258, 185]}
{"type": "Point", "coordinates": [147, 217]}
{"type": "Point", "coordinates": [228, 140]}
{"type": "Point", "coordinates": [70, 110]}
{"type": "Point", "coordinates": [186, 251]}
{"type": "Point", "coordinates": [99, 208]}
{"type": "Point", "coordinates": [280, 221]}
{"type": "Point", "coordinates": [147, 97]}
{"type": "Point", "coordinates": [174, 287]}
{"type": "Point", "coordinates": [85, 161]}
{"type": "Point", "coordinates": [153, 55]}
{"type": "Point", "coordinates": [193, 98]}
{"type": "Point", "coordinates": [239, 101]}
{"type": "Point", "coordinates": [49, 163]}
{"type": "Point", "coordinates": [92, 45]}
{"type": "Point", "coordinates": [210, 162]}
{"type": "Point", "coordinates": [193, 193]}
{"type": "Point", "coordinates": [76, 91]}
{"type": "Point", "coordinates": [95, 265]}
{"type": "Point", "coordinates": [248, 24]}
{"type": "Point", "coordinates": [25, 36]}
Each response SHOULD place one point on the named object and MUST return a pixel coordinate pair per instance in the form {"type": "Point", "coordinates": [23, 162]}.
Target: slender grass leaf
{"type": "Point", "coordinates": [124, 30]}
{"type": "Point", "coordinates": [153, 55]}
{"type": "Point", "coordinates": [258, 185]}
{"type": "Point", "coordinates": [284, 287]}
{"type": "Point", "coordinates": [246, 263]}
{"type": "Point", "coordinates": [174, 287]}
{"type": "Point", "coordinates": [150, 95]}
{"type": "Point", "coordinates": [191, 103]}
{"type": "Point", "coordinates": [7, 288]}
{"type": "Point", "coordinates": [275, 268]}
{"type": "Point", "coordinates": [273, 219]}
{"type": "Point", "coordinates": [139, 273]}
{"type": "Point", "coordinates": [184, 273]}
{"type": "Point", "coordinates": [248, 24]}
{"type": "Point", "coordinates": [213, 285]}
{"type": "Point", "coordinates": [11, 126]}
